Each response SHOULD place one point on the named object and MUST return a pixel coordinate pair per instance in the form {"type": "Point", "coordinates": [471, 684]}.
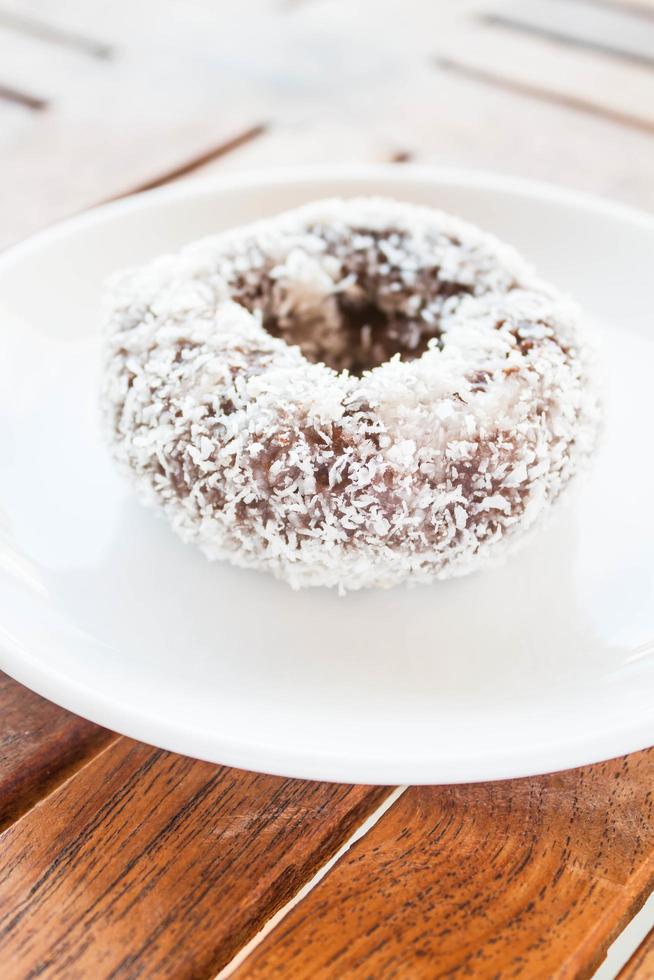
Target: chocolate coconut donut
{"type": "Point", "coordinates": [355, 393]}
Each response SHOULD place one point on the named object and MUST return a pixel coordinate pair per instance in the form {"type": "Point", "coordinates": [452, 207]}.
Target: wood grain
{"type": "Point", "coordinates": [525, 878]}
{"type": "Point", "coordinates": [151, 864]}
{"type": "Point", "coordinates": [641, 965]}
{"type": "Point", "coordinates": [40, 746]}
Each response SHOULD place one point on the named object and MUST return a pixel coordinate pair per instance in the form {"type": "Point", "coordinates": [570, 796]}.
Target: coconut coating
{"type": "Point", "coordinates": [355, 393]}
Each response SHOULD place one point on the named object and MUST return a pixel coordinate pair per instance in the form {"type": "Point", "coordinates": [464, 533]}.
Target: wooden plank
{"type": "Point", "coordinates": [401, 103]}
{"type": "Point", "coordinates": [376, 46]}
{"type": "Point", "coordinates": [439, 124]}
{"type": "Point", "coordinates": [641, 965]}
{"type": "Point", "coordinates": [150, 864]}
{"type": "Point", "coordinates": [583, 79]}
{"type": "Point", "coordinates": [20, 25]}
{"type": "Point", "coordinates": [99, 175]}
{"type": "Point", "coordinates": [609, 30]}
{"type": "Point", "coordinates": [40, 746]}
{"type": "Point", "coordinates": [525, 136]}
{"type": "Point", "coordinates": [204, 162]}
{"type": "Point", "coordinates": [524, 878]}
{"type": "Point", "coordinates": [52, 71]}
{"type": "Point", "coordinates": [203, 77]}
{"type": "Point", "coordinates": [112, 123]}
{"type": "Point", "coordinates": [318, 141]}
{"type": "Point", "coordinates": [15, 120]}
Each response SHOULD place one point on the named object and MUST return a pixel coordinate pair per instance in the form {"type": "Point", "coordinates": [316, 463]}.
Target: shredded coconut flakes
{"type": "Point", "coordinates": [356, 393]}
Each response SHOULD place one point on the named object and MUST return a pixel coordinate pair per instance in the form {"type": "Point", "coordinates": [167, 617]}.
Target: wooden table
{"type": "Point", "coordinates": [120, 860]}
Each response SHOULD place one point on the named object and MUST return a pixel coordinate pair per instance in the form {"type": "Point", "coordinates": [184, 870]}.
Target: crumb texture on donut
{"type": "Point", "coordinates": [355, 393]}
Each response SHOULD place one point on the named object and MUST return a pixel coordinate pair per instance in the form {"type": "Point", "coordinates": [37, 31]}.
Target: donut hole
{"type": "Point", "coordinates": [345, 330]}
{"type": "Point", "coordinates": [357, 326]}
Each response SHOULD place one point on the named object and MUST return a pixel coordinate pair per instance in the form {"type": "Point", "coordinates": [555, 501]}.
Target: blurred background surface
{"type": "Point", "coordinates": [99, 98]}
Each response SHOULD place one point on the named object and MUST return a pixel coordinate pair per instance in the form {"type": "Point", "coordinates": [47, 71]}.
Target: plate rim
{"type": "Point", "coordinates": [467, 177]}
{"type": "Point", "coordinates": [89, 703]}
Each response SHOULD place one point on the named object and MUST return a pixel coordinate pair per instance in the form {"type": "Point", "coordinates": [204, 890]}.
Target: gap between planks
{"type": "Point", "coordinates": [69, 772]}
{"type": "Point", "coordinates": [187, 167]}
{"type": "Point", "coordinates": [50, 33]}
{"type": "Point", "coordinates": [202, 159]}
{"type": "Point", "coordinates": [281, 913]}
{"type": "Point", "coordinates": [544, 839]}
{"type": "Point", "coordinates": [247, 136]}
{"type": "Point", "coordinates": [630, 949]}
{"type": "Point", "coordinates": [489, 77]}
{"type": "Point", "coordinates": [25, 99]}
{"type": "Point", "coordinates": [557, 36]}
{"type": "Point", "coordinates": [623, 951]}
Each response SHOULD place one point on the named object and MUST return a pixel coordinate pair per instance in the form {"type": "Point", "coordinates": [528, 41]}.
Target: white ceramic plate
{"type": "Point", "coordinates": [543, 664]}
